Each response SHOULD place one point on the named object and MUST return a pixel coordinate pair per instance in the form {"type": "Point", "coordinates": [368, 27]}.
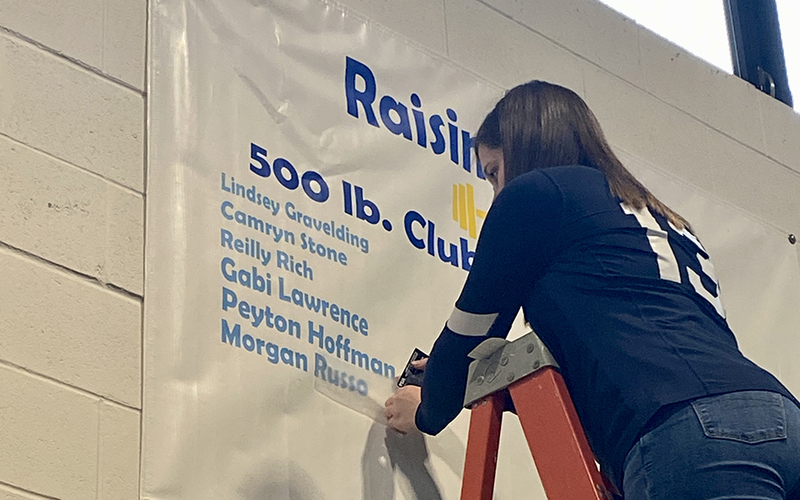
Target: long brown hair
{"type": "Point", "coordinates": [539, 125]}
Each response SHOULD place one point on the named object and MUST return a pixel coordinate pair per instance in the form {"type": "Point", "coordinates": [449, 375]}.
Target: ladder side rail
{"type": "Point", "coordinates": [480, 464]}
{"type": "Point", "coordinates": [563, 458]}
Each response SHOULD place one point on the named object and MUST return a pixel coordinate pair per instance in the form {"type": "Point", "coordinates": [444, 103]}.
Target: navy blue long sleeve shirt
{"type": "Point", "coordinates": [628, 305]}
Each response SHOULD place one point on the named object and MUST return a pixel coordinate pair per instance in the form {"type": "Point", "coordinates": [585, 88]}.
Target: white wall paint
{"type": "Point", "coordinates": [72, 170]}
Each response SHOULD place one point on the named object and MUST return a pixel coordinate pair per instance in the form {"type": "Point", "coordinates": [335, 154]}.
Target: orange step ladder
{"type": "Point", "coordinates": [525, 371]}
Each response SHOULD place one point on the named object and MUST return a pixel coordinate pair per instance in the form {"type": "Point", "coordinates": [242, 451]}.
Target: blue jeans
{"type": "Point", "coordinates": [739, 445]}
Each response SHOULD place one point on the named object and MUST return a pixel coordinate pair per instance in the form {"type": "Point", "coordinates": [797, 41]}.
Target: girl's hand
{"type": "Point", "coordinates": [401, 409]}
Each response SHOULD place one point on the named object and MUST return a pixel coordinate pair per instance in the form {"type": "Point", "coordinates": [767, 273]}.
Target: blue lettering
{"type": "Point", "coordinates": [231, 337]}
{"type": "Point", "coordinates": [249, 342]}
{"type": "Point", "coordinates": [319, 366]}
{"type": "Point", "coordinates": [467, 255]}
{"type": "Point", "coordinates": [453, 257]}
{"type": "Point", "coordinates": [228, 273]}
{"type": "Point", "coordinates": [321, 194]}
{"type": "Point", "coordinates": [272, 353]}
{"type": "Point", "coordinates": [361, 87]}
{"type": "Point", "coordinates": [281, 166]}
{"type": "Point", "coordinates": [437, 246]}
{"type": "Point", "coordinates": [315, 334]}
{"type": "Point", "coordinates": [419, 121]}
{"type": "Point", "coordinates": [226, 205]}
{"type": "Point", "coordinates": [366, 97]}
{"type": "Point", "coordinates": [410, 218]}
{"type": "Point", "coordinates": [229, 299]}
{"type": "Point", "coordinates": [402, 126]}
{"type": "Point", "coordinates": [439, 144]}
{"type": "Point", "coordinates": [453, 136]}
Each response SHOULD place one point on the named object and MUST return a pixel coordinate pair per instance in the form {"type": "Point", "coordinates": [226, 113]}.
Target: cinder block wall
{"type": "Point", "coordinates": [72, 169]}
{"type": "Point", "coordinates": [72, 139]}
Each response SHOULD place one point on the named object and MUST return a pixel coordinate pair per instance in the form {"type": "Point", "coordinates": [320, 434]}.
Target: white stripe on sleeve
{"type": "Point", "coordinates": [470, 324]}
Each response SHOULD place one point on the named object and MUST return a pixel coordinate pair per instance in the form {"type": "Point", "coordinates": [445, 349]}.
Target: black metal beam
{"type": "Point", "coordinates": [756, 48]}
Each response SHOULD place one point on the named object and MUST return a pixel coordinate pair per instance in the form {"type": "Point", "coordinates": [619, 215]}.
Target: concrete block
{"type": "Point", "coordinates": [667, 138]}
{"type": "Point", "coordinates": [70, 329]}
{"type": "Point", "coordinates": [752, 181]}
{"type": "Point", "coordinates": [781, 130]}
{"type": "Point", "coordinates": [48, 437]}
{"type": "Point", "coordinates": [119, 453]}
{"type": "Point", "coordinates": [8, 493]}
{"type": "Point", "coordinates": [124, 243]}
{"type": "Point", "coordinates": [419, 20]}
{"type": "Point", "coordinates": [654, 131]}
{"type": "Point", "coordinates": [587, 27]}
{"type": "Point", "coordinates": [74, 27]}
{"type": "Point", "coordinates": [124, 40]}
{"type": "Point", "coordinates": [610, 40]}
{"type": "Point", "coordinates": [624, 111]}
{"type": "Point", "coordinates": [57, 107]}
{"type": "Point", "coordinates": [519, 55]}
{"type": "Point", "coordinates": [106, 34]}
{"type": "Point", "coordinates": [555, 20]}
{"type": "Point", "coordinates": [71, 217]}
{"type": "Point", "coordinates": [723, 101]}
{"type": "Point", "coordinates": [680, 145]}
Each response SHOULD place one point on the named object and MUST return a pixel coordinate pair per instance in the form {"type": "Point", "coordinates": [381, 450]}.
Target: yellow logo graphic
{"type": "Point", "coordinates": [464, 211]}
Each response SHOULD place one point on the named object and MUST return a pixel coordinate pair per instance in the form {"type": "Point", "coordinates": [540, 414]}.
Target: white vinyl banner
{"type": "Point", "coordinates": [757, 266]}
{"type": "Point", "coordinates": [313, 205]}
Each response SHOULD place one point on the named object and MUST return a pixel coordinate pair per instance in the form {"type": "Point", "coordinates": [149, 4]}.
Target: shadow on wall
{"type": "Point", "coordinates": [386, 452]}
{"type": "Point", "coordinates": [279, 480]}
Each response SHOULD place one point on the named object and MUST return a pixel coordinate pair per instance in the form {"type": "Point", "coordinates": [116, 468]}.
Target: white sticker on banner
{"type": "Point", "coordinates": [364, 393]}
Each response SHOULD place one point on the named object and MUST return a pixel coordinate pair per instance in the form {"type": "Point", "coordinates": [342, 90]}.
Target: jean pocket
{"type": "Point", "coordinates": [746, 416]}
